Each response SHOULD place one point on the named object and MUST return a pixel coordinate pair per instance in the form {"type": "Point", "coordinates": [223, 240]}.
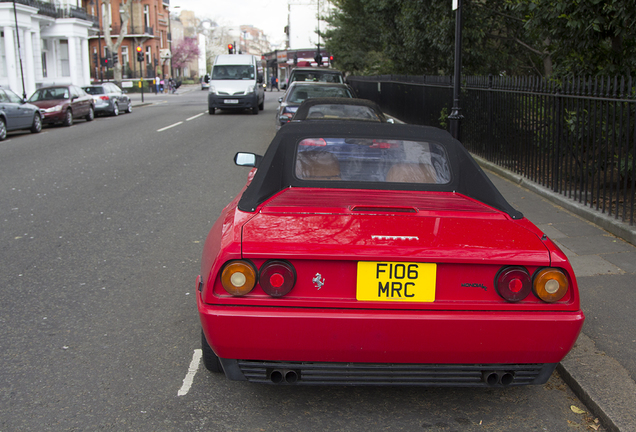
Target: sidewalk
{"type": "Point", "coordinates": [150, 98]}
{"type": "Point", "coordinates": [602, 366]}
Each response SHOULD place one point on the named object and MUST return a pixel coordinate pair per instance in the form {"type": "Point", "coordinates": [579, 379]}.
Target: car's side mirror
{"type": "Point", "coordinates": [206, 78]}
{"type": "Point", "coordinates": [247, 159]}
{"type": "Point", "coordinates": [390, 121]}
{"type": "Point", "coordinates": [280, 100]}
{"type": "Point", "coordinates": [260, 78]}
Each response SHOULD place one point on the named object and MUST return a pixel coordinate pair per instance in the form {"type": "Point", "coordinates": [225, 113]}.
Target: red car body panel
{"type": "Point", "coordinates": [467, 323]}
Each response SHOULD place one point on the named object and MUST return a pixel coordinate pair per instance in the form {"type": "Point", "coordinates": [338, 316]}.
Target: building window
{"type": "Point", "coordinates": [161, 38]}
{"type": "Point", "coordinates": [64, 58]}
{"type": "Point", "coordinates": [147, 15]}
{"type": "Point", "coordinates": [124, 55]}
{"type": "Point", "coordinates": [45, 50]}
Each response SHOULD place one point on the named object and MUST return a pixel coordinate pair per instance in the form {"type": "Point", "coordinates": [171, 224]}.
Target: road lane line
{"type": "Point", "coordinates": [168, 127]}
{"type": "Point", "coordinates": [192, 118]}
{"type": "Point", "coordinates": [192, 370]}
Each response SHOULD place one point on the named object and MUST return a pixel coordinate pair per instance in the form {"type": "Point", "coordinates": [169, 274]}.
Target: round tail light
{"type": "Point", "coordinates": [513, 283]}
{"type": "Point", "coordinates": [238, 277]}
{"type": "Point", "coordinates": [550, 284]}
{"type": "Point", "coordinates": [277, 278]}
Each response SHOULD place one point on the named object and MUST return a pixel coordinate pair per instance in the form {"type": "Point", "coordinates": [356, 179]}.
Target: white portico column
{"type": "Point", "coordinates": [28, 63]}
{"type": "Point", "coordinates": [12, 60]}
{"type": "Point", "coordinates": [86, 63]}
{"type": "Point", "coordinates": [72, 59]}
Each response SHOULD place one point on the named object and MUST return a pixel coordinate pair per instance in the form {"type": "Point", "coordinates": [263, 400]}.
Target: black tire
{"type": "Point", "coordinates": [261, 106]}
{"type": "Point", "coordinates": [129, 106]}
{"type": "Point", "coordinates": [68, 118]}
{"type": "Point", "coordinates": [210, 111]}
{"type": "Point", "coordinates": [116, 109]}
{"type": "Point", "coordinates": [3, 129]}
{"type": "Point", "coordinates": [255, 109]}
{"type": "Point", "coordinates": [36, 127]}
{"type": "Point", "coordinates": [91, 114]}
{"type": "Point", "coordinates": [210, 360]}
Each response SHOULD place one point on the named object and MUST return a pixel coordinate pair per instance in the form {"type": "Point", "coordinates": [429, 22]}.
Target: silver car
{"type": "Point", "coordinates": [15, 114]}
{"type": "Point", "coordinates": [109, 99]}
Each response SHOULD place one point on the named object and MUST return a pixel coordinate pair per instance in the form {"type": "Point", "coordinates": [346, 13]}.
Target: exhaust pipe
{"type": "Point", "coordinates": [493, 378]}
{"type": "Point", "coordinates": [284, 376]}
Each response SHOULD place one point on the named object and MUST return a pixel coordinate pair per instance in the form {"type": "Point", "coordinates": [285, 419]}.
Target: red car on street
{"type": "Point", "coordinates": [63, 104]}
{"type": "Point", "coordinates": [380, 254]}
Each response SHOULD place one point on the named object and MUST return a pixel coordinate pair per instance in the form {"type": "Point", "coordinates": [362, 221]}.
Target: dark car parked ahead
{"type": "Point", "coordinates": [109, 99]}
{"type": "Point", "coordinates": [16, 114]}
{"type": "Point", "coordinates": [62, 104]}
{"type": "Point", "coordinates": [299, 91]}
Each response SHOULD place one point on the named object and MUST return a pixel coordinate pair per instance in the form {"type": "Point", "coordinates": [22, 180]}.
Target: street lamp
{"type": "Point", "coordinates": [99, 42]}
{"type": "Point", "coordinates": [455, 116]}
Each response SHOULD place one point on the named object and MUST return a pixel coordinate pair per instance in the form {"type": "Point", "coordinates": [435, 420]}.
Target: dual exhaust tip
{"type": "Point", "coordinates": [500, 378]}
{"type": "Point", "coordinates": [284, 376]}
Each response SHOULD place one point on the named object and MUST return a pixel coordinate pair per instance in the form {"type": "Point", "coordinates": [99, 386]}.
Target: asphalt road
{"type": "Point", "coordinates": [102, 226]}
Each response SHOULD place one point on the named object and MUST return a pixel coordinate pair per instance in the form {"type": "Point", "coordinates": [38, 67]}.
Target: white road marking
{"type": "Point", "coordinates": [192, 370]}
{"type": "Point", "coordinates": [192, 118]}
{"type": "Point", "coordinates": [168, 127]}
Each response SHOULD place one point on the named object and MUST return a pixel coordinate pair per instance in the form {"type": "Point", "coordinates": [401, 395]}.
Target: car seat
{"type": "Point", "coordinates": [317, 165]}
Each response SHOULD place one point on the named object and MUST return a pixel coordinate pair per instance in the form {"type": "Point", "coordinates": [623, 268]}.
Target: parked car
{"type": "Point", "coordinates": [205, 82]}
{"type": "Point", "coordinates": [378, 254]}
{"type": "Point", "coordinates": [315, 74]}
{"type": "Point", "coordinates": [109, 99]}
{"type": "Point", "coordinates": [63, 104]}
{"type": "Point", "coordinates": [15, 114]}
{"type": "Point", "coordinates": [300, 91]}
{"type": "Point", "coordinates": [322, 109]}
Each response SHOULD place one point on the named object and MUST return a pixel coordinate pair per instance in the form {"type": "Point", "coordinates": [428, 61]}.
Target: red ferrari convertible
{"type": "Point", "coordinates": [380, 254]}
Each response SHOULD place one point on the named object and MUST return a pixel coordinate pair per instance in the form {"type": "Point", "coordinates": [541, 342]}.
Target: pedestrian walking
{"type": "Point", "coordinates": [157, 79]}
{"type": "Point", "coordinates": [161, 85]}
{"type": "Point", "coordinates": [274, 82]}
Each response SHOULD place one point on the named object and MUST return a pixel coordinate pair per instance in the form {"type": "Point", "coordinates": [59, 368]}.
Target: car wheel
{"type": "Point", "coordinates": [210, 360]}
{"type": "Point", "coordinates": [255, 109]}
{"type": "Point", "coordinates": [91, 114]}
{"type": "Point", "coordinates": [261, 106]}
{"type": "Point", "coordinates": [3, 129]}
{"type": "Point", "coordinates": [68, 118]}
{"type": "Point", "coordinates": [210, 111]}
{"type": "Point", "coordinates": [116, 109]}
{"type": "Point", "coordinates": [129, 106]}
{"type": "Point", "coordinates": [36, 127]}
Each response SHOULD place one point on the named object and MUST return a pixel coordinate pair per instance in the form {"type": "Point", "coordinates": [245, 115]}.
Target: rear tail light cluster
{"type": "Point", "coordinates": [276, 277]}
{"type": "Point", "coordinates": [514, 284]}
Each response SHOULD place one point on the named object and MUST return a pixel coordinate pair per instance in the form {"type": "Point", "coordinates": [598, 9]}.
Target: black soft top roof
{"type": "Point", "coordinates": [303, 109]}
{"type": "Point", "coordinates": [276, 171]}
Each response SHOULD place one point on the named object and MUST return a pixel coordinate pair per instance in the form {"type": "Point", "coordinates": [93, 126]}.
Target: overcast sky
{"type": "Point", "coordinates": [267, 15]}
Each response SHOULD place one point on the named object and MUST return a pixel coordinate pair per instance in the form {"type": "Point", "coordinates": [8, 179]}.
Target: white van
{"type": "Point", "coordinates": [235, 83]}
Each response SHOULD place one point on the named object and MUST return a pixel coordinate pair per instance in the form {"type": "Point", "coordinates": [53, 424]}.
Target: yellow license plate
{"type": "Point", "coordinates": [396, 281]}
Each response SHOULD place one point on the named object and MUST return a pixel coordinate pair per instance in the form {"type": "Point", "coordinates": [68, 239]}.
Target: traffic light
{"type": "Point", "coordinates": [140, 54]}
{"type": "Point", "coordinates": [230, 49]}
{"type": "Point", "coordinates": [95, 59]}
{"type": "Point", "coordinates": [330, 59]}
{"type": "Point", "coordinates": [115, 59]}
{"type": "Point", "coordinates": [318, 59]}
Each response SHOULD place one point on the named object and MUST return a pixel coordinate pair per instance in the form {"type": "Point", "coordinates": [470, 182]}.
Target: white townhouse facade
{"type": "Point", "coordinates": [43, 42]}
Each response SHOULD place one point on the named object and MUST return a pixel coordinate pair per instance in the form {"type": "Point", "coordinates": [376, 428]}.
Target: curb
{"type": "Point", "coordinates": [598, 380]}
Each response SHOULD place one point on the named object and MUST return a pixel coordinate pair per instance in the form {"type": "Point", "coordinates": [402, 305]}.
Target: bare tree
{"type": "Point", "coordinates": [113, 47]}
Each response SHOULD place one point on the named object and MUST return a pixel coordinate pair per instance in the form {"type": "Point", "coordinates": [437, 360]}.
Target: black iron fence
{"type": "Point", "coordinates": [576, 137]}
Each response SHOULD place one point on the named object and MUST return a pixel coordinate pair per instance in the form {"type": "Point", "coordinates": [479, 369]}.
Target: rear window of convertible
{"type": "Point", "coordinates": [372, 160]}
